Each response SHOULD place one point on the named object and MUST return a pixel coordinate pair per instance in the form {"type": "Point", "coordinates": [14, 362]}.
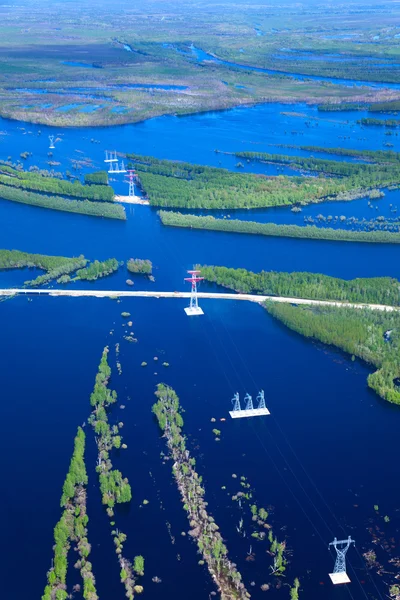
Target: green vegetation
{"type": "Point", "coordinates": [204, 529]}
{"type": "Point", "coordinates": [114, 488]}
{"type": "Point", "coordinates": [36, 182]}
{"type": "Point", "coordinates": [294, 591]}
{"type": "Point", "coordinates": [343, 106]}
{"type": "Point", "coordinates": [314, 286]}
{"type": "Point", "coordinates": [72, 527]}
{"type": "Point", "coordinates": [171, 79]}
{"type": "Point", "coordinates": [178, 184]}
{"type": "Point", "coordinates": [379, 122]}
{"type": "Point", "coordinates": [97, 269]}
{"type": "Point", "coordinates": [379, 156]}
{"type": "Point", "coordinates": [138, 565]}
{"type": "Point", "coordinates": [363, 333]}
{"type": "Point", "coordinates": [138, 265]}
{"type": "Point", "coordinates": [83, 207]}
{"type": "Point", "coordinates": [97, 178]}
{"type": "Point", "coordinates": [56, 266]}
{"type": "Point", "coordinates": [391, 106]}
{"type": "Point", "coordinates": [176, 219]}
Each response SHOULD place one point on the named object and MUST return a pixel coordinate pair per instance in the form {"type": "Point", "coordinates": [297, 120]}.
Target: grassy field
{"type": "Point", "coordinates": [65, 64]}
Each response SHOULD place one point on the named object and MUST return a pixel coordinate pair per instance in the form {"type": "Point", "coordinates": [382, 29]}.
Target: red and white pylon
{"type": "Point", "coordinates": [194, 308]}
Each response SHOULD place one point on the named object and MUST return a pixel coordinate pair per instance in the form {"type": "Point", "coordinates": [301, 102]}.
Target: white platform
{"type": "Point", "coordinates": [193, 311]}
{"type": "Point", "coordinates": [339, 578]}
{"type": "Point", "coordinates": [256, 412]}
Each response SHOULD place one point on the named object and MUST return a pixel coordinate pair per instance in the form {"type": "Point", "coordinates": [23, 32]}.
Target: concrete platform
{"type": "Point", "coordinates": [256, 412]}
{"type": "Point", "coordinates": [192, 312]}
{"type": "Point", "coordinates": [338, 578]}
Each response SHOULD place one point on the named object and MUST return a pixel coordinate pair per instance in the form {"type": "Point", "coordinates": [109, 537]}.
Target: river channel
{"type": "Point", "coordinates": [321, 461]}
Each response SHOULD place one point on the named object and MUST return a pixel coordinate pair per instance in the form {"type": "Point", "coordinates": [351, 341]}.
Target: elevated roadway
{"type": "Point", "coordinates": [200, 295]}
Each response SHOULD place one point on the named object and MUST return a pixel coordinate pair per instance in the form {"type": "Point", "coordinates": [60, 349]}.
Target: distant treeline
{"type": "Point", "coordinates": [382, 156]}
{"type": "Point", "coordinates": [38, 183]}
{"type": "Point", "coordinates": [389, 106]}
{"type": "Point", "coordinates": [379, 122]}
{"type": "Point", "coordinates": [83, 207]}
{"type": "Point", "coordinates": [373, 336]}
{"type": "Point", "coordinates": [178, 184]}
{"type": "Point", "coordinates": [176, 219]}
{"type": "Point", "coordinates": [343, 106]}
{"type": "Point", "coordinates": [360, 175]}
{"type": "Point", "coordinates": [313, 286]}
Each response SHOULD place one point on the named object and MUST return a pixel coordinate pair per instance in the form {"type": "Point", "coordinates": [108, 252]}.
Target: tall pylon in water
{"type": "Point", "coordinates": [236, 402]}
{"type": "Point", "coordinates": [51, 139]}
{"type": "Point", "coordinates": [130, 178]}
{"type": "Point", "coordinates": [339, 574]}
{"type": "Point", "coordinates": [194, 308]}
{"type": "Point", "coordinates": [110, 156]}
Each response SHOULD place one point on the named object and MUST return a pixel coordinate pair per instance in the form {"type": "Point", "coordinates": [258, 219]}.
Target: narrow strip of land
{"type": "Point", "coordinates": [206, 295]}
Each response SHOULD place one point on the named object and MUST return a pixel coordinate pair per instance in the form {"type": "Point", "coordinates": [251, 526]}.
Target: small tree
{"type": "Point", "coordinates": [138, 565]}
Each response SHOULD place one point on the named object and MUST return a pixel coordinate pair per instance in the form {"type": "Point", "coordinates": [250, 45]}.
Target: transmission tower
{"type": "Point", "coordinates": [339, 574]}
{"type": "Point", "coordinates": [130, 178]}
{"type": "Point", "coordinates": [261, 399]}
{"type": "Point", "coordinates": [51, 139]}
{"type": "Point", "coordinates": [249, 402]}
{"type": "Point", "coordinates": [194, 308]}
{"type": "Point", "coordinates": [110, 156]}
{"type": "Point", "coordinates": [236, 402]}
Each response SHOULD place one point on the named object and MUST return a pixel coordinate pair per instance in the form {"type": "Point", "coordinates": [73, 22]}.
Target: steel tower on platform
{"type": "Point", "coordinates": [194, 308]}
{"type": "Point", "coordinates": [339, 574]}
{"type": "Point", "coordinates": [130, 178]}
{"type": "Point", "coordinates": [51, 139]}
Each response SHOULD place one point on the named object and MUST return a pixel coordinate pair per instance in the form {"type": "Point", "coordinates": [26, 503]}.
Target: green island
{"type": "Point", "coordinates": [203, 527]}
{"type": "Point", "coordinates": [139, 265]}
{"type": "Point", "coordinates": [184, 185]}
{"type": "Point", "coordinates": [57, 267]}
{"type": "Point", "coordinates": [96, 178]}
{"type": "Point", "coordinates": [373, 336]}
{"type": "Point", "coordinates": [35, 182]}
{"type": "Point", "coordinates": [114, 488]}
{"type": "Point", "coordinates": [72, 528]}
{"type": "Point", "coordinates": [98, 269]}
{"type": "Point", "coordinates": [84, 207]}
{"type": "Point", "coordinates": [312, 232]}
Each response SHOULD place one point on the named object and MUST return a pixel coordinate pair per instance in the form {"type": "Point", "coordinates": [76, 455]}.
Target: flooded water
{"type": "Point", "coordinates": [321, 461]}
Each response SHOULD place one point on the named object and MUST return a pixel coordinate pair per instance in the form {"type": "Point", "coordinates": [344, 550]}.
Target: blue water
{"type": "Point", "coordinates": [324, 419]}
{"type": "Point", "coordinates": [202, 56]}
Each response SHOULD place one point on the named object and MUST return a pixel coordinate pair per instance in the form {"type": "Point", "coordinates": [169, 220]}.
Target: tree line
{"type": "Point", "coordinates": [33, 181]}
{"type": "Point", "coordinates": [313, 286]}
{"type": "Point", "coordinates": [72, 528]}
{"type": "Point", "coordinates": [311, 232]}
{"type": "Point", "coordinates": [115, 489]}
{"type": "Point", "coordinates": [179, 184]}
{"type": "Point", "coordinates": [373, 336]}
{"type": "Point", "coordinates": [83, 207]}
{"type": "Point", "coordinates": [203, 527]}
